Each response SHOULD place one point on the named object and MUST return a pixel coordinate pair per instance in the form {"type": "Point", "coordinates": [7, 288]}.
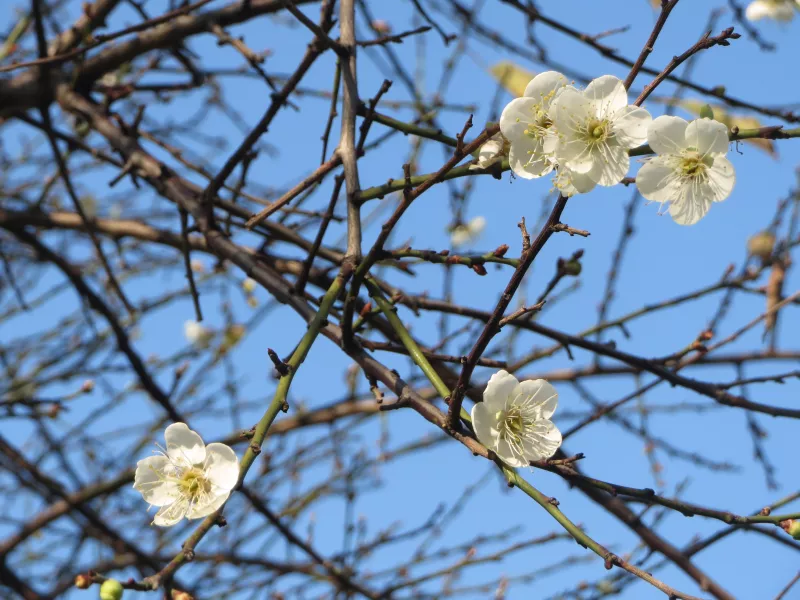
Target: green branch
{"type": "Point", "coordinates": [395, 185]}
{"type": "Point", "coordinates": [409, 343]}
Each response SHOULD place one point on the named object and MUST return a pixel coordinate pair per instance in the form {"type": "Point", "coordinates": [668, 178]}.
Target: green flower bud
{"type": "Point", "coordinates": [706, 112]}
{"type": "Point", "coordinates": [572, 267]}
{"type": "Point", "coordinates": [792, 527]}
{"type": "Point", "coordinates": [111, 590]}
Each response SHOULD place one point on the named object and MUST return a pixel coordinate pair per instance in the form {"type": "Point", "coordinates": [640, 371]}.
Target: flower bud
{"type": "Point", "coordinates": [83, 581]}
{"type": "Point", "coordinates": [87, 386]}
{"type": "Point", "coordinates": [792, 527]}
{"type": "Point", "coordinates": [479, 269]}
{"type": "Point", "coordinates": [571, 267]}
{"type": "Point", "coordinates": [249, 285]}
{"type": "Point", "coordinates": [500, 251]}
{"type": "Point", "coordinates": [111, 590]}
{"type": "Point", "coordinates": [761, 245]}
{"type": "Point", "coordinates": [197, 266]}
{"type": "Point", "coordinates": [252, 302]}
{"type": "Point", "coordinates": [381, 26]}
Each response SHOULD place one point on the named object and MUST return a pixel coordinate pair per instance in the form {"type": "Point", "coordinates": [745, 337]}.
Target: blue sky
{"type": "Point", "coordinates": [663, 260]}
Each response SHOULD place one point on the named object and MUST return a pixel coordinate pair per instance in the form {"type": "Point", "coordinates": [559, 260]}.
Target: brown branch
{"type": "Point", "coordinates": [529, 253]}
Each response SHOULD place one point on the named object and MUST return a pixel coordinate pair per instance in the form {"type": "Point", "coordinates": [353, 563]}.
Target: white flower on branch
{"type": "Point", "coordinates": [528, 125]}
{"type": "Point", "coordinates": [491, 152]}
{"type": "Point", "coordinates": [596, 127]}
{"type": "Point", "coordinates": [514, 419]}
{"type": "Point", "coordinates": [197, 334]}
{"type": "Point", "coordinates": [467, 232]}
{"type": "Point", "coordinates": [189, 479]}
{"type": "Point", "coordinates": [777, 10]}
{"type": "Point", "coordinates": [690, 170]}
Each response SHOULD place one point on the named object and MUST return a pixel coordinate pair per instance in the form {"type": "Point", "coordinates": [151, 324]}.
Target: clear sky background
{"type": "Point", "coordinates": [663, 260]}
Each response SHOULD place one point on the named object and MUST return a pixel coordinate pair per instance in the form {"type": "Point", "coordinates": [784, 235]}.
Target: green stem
{"type": "Point", "coordinates": [411, 129]}
{"type": "Point", "coordinates": [394, 185]}
{"type": "Point", "coordinates": [297, 358]}
{"type": "Point", "coordinates": [278, 401]}
{"type": "Point", "coordinates": [409, 343]}
{"type": "Point", "coordinates": [610, 559]}
{"type": "Point", "coordinates": [547, 503]}
{"type": "Point", "coordinates": [406, 339]}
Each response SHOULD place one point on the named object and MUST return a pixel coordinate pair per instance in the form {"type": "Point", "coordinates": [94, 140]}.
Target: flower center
{"type": "Point", "coordinates": [692, 164]}
{"type": "Point", "coordinates": [194, 484]}
{"type": "Point", "coordinates": [513, 424]}
{"type": "Point", "coordinates": [598, 130]}
{"type": "Point", "coordinates": [538, 127]}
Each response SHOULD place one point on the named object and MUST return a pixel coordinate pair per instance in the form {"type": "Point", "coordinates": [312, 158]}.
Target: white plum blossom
{"type": "Point", "coordinates": [527, 124]}
{"type": "Point", "coordinates": [514, 419]}
{"type": "Point", "coordinates": [197, 334]}
{"type": "Point", "coordinates": [467, 232]}
{"type": "Point", "coordinates": [189, 479]}
{"type": "Point", "coordinates": [596, 127]}
{"type": "Point", "coordinates": [690, 170]}
{"type": "Point", "coordinates": [778, 10]}
{"type": "Point", "coordinates": [490, 152]}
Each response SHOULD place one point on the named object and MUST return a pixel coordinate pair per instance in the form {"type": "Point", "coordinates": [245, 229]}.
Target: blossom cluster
{"type": "Point", "coordinates": [584, 138]}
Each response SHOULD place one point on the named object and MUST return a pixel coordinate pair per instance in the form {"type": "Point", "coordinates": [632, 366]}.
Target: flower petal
{"type": "Point", "coordinates": [184, 445]}
{"type": "Point", "coordinates": [489, 152]}
{"type": "Point", "coordinates": [544, 86]}
{"type": "Point", "coordinates": [221, 467]}
{"type": "Point", "coordinates": [151, 482]}
{"type": "Point", "coordinates": [581, 182]}
{"type": "Point", "coordinates": [569, 110]}
{"type": "Point", "coordinates": [172, 513]}
{"type": "Point", "coordinates": [657, 181]}
{"type": "Point", "coordinates": [610, 164]}
{"type": "Point", "coordinates": [198, 511]}
{"type": "Point", "coordinates": [521, 164]}
{"type": "Point", "coordinates": [607, 94]}
{"type": "Point", "coordinates": [575, 154]}
{"type": "Point", "coordinates": [692, 207]}
{"type": "Point", "coordinates": [515, 118]}
{"type": "Point", "coordinates": [542, 442]}
{"type": "Point", "coordinates": [630, 125]}
{"type": "Point", "coordinates": [507, 455]}
{"type": "Point", "coordinates": [485, 425]}
{"type": "Point", "coordinates": [667, 134]}
{"type": "Point", "coordinates": [538, 395]}
{"type": "Point", "coordinates": [708, 136]}
{"type": "Point", "coordinates": [500, 389]}
{"type": "Point", "coordinates": [722, 178]}
{"type": "Point", "coordinates": [569, 183]}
